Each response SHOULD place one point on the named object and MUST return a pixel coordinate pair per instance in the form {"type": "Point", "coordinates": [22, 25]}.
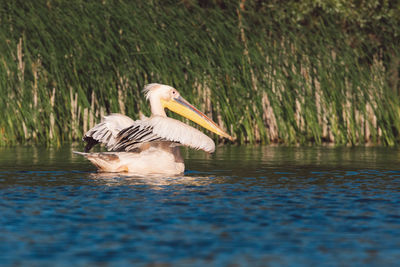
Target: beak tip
{"type": "Point", "coordinates": [230, 138]}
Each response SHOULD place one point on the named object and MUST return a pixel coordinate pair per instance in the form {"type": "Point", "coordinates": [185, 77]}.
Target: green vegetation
{"type": "Point", "coordinates": [268, 71]}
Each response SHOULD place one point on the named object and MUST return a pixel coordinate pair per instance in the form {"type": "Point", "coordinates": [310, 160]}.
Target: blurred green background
{"type": "Point", "coordinates": [291, 72]}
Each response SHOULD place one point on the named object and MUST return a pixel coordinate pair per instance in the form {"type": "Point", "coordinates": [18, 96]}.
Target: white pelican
{"type": "Point", "coordinates": [150, 145]}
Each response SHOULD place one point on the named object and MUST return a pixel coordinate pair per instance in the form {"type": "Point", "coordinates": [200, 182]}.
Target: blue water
{"type": "Point", "coordinates": [242, 206]}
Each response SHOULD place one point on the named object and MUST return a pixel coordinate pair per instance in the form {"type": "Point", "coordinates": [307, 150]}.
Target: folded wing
{"type": "Point", "coordinates": [106, 131]}
{"type": "Point", "coordinates": [166, 129]}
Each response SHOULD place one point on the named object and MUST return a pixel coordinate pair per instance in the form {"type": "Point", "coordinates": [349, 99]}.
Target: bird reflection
{"type": "Point", "coordinates": [156, 182]}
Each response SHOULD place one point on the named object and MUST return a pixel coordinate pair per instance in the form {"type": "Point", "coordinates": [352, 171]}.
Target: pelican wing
{"type": "Point", "coordinates": [106, 131]}
{"type": "Point", "coordinates": [160, 128]}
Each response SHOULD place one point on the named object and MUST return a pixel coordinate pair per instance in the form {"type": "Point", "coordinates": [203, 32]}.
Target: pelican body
{"type": "Point", "coordinates": [150, 145]}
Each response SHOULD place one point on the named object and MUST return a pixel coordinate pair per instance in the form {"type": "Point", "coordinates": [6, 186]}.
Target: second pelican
{"type": "Point", "coordinates": [150, 145]}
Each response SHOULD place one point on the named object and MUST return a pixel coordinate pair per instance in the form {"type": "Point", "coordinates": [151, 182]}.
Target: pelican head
{"type": "Point", "coordinates": [163, 96]}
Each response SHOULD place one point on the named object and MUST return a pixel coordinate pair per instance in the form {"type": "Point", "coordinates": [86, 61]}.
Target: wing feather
{"type": "Point", "coordinates": [159, 128]}
{"type": "Point", "coordinates": [106, 131]}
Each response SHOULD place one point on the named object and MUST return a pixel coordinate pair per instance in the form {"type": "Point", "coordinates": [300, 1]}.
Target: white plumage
{"type": "Point", "coordinates": [107, 131]}
{"type": "Point", "coordinates": [150, 145]}
{"type": "Point", "coordinates": [179, 132]}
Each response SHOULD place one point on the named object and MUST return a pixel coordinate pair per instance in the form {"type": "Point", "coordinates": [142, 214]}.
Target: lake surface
{"type": "Point", "coordinates": [241, 206]}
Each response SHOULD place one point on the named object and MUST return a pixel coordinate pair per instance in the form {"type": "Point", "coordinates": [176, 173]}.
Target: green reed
{"type": "Point", "coordinates": [64, 64]}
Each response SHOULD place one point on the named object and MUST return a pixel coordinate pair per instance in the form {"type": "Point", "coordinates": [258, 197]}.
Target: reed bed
{"type": "Point", "coordinates": [65, 64]}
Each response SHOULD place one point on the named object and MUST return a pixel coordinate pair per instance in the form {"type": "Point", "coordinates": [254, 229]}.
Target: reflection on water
{"type": "Point", "coordinates": [155, 182]}
{"type": "Point", "coordinates": [243, 205]}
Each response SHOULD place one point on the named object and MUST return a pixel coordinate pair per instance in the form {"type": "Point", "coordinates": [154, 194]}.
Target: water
{"type": "Point", "coordinates": [242, 206]}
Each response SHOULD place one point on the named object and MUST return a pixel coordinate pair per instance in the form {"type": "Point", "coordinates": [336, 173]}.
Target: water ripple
{"type": "Point", "coordinates": [291, 214]}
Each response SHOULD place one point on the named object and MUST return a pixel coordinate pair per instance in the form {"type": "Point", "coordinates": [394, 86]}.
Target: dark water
{"type": "Point", "coordinates": [242, 206]}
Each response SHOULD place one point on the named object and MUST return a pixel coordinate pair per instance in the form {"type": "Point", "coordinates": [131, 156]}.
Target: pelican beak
{"type": "Point", "coordinates": [182, 107]}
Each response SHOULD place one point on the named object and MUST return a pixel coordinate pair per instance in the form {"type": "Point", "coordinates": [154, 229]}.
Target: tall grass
{"type": "Point", "coordinates": [64, 64]}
